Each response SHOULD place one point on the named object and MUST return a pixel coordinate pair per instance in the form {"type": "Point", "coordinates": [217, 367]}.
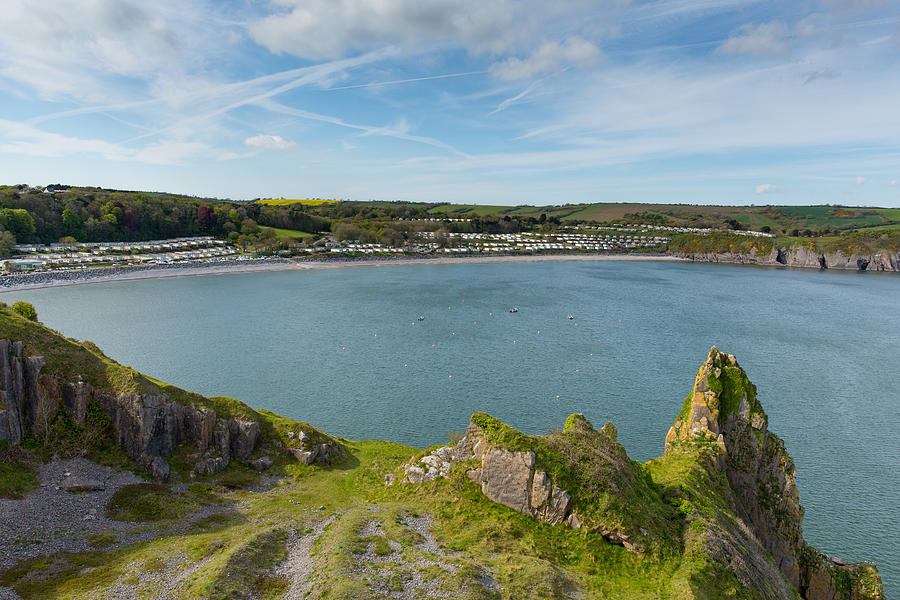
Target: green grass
{"type": "Point", "coordinates": [291, 233]}
{"type": "Point", "coordinates": [17, 473]}
{"type": "Point", "coordinates": [607, 488]}
{"type": "Point", "coordinates": [243, 567]}
{"type": "Point", "coordinates": [144, 502]}
{"type": "Point", "coordinates": [102, 540]}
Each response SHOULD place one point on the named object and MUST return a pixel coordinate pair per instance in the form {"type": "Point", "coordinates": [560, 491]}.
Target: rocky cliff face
{"type": "Point", "coordinates": [802, 256]}
{"type": "Point", "coordinates": [515, 470]}
{"type": "Point", "coordinates": [148, 427]}
{"type": "Point", "coordinates": [722, 497]}
{"type": "Point", "coordinates": [723, 417]}
{"type": "Point", "coordinates": [505, 476]}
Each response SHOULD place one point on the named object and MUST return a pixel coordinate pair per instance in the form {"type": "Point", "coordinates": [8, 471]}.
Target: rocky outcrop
{"type": "Point", "coordinates": [802, 256]}
{"type": "Point", "coordinates": [147, 427]}
{"type": "Point", "coordinates": [505, 476]}
{"type": "Point", "coordinates": [723, 417]}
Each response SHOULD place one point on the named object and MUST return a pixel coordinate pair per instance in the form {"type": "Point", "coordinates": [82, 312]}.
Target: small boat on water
{"type": "Point", "coordinates": [513, 309]}
{"type": "Point", "coordinates": [421, 318]}
{"type": "Point", "coordinates": [571, 317]}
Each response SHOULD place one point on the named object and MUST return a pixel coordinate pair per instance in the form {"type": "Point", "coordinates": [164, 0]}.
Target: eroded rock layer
{"type": "Point", "coordinates": [148, 427]}
{"type": "Point", "coordinates": [723, 416]}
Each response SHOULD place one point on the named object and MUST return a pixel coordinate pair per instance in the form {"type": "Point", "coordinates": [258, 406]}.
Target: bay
{"type": "Point", "coordinates": [343, 349]}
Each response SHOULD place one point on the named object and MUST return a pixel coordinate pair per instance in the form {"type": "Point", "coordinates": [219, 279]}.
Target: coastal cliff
{"type": "Point", "coordinates": [802, 256]}
{"type": "Point", "coordinates": [497, 514]}
{"type": "Point", "coordinates": [150, 422]}
{"type": "Point", "coordinates": [724, 489]}
{"type": "Point", "coordinates": [723, 419]}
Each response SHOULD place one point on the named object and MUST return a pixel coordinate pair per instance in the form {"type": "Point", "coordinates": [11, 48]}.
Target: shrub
{"type": "Point", "coordinates": [25, 309]}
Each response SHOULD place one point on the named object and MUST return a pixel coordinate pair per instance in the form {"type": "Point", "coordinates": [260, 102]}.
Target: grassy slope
{"type": "Point", "coordinates": [754, 217]}
{"type": "Point", "coordinates": [291, 233]}
{"type": "Point", "coordinates": [231, 553]}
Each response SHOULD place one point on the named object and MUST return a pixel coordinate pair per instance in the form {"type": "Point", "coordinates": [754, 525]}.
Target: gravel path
{"type": "Point", "coordinates": [299, 564]}
{"type": "Point", "coordinates": [51, 520]}
{"type": "Point", "coordinates": [402, 575]}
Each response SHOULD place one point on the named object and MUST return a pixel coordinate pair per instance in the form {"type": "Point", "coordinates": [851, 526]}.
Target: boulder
{"type": "Point", "coordinates": [554, 511]}
{"type": "Point", "coordinates": [305, 456]}
{"type": "Point", "coordinates": [158, 468]}
{"type": "Point", "coordinates": [414, 475]}
{"type": "Point", "coordinates": [262, 463]}
{"type": "Point", "coordinates": [77, 483]}
{"type": "Point", "coordinates": [508, 478]}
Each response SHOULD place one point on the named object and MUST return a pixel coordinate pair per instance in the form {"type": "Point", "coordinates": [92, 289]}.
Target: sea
{"type": "Point", "coordinates": [408, 352]}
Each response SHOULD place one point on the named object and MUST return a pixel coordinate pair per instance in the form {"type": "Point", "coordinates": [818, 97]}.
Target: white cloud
{"type": "Point", "coordinates": [550, 56]}
{"type": "Point", "coordinates": [861, 180]}
{"type": "Point", "coordinates": [766, 39]}
{"type": "Point", "coordinates": [319, 29]}
{"type": "Point", "coordinates": [76, 48]}
{"type": "Point", "coordinates": [766, 188]}
{"type": "Point", "coordinates": [268, 142]}
{"type": "Point", "coordinates": [24, 139]}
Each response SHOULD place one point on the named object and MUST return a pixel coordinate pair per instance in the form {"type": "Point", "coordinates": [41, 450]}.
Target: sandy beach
{"type": "Point", "coordinates": [44, 279]}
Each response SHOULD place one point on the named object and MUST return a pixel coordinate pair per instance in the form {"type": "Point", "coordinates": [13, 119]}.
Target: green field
{"type": "Point", "coordinates": [290, 201]}
{"type": "Point", "coordinates": [750, 217]}
{"type": "Point", "coordinates": [291, 233]}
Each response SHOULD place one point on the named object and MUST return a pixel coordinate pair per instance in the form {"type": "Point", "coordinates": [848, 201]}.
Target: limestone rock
{"type": "Point", "coordinates": [414, 475]}
{"type": "Point", "coordinates": [262, 463]}
{"type": "Point", "coordinates": [554, 511]}
{"type": "Point", "coordinates": [158, 467]}
{"type": "Point", "coordinates": [243, 436]}
{"type": "Point", "coordinates": [804, 256]}
{"type": "Point", "coordinates": [82, 484]}
{"type": "Point", "coordinates": [508, 477]}
{"type": "Point", "coordinates": [723, 416]}
{"type": "Point", "coordinates": [540, 489]}
{"type": "Point", "coordinates": [305, 456]}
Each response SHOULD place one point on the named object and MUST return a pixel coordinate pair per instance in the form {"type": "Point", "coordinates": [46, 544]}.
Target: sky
{"type": "Point", "coordinates": [462, 101]}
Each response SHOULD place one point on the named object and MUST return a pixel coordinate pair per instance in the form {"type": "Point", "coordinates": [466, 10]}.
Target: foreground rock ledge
{"type": "Point", "coordinates": [149, 427]}
{"type": "Point", "coordinates": [724, 429]}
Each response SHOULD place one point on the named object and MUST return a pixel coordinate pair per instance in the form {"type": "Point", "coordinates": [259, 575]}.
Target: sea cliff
{"type": "Point", "coordinates": [802, 256]}
{"type": "Point", "coordinates": [495, 514]}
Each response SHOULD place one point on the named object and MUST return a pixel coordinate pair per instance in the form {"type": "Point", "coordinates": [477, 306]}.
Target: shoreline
{"type": "Point", "coordinates": [49, 279]}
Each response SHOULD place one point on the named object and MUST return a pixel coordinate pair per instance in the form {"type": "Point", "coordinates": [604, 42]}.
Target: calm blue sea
{"type": "Point", "coordinates": [343, 350]}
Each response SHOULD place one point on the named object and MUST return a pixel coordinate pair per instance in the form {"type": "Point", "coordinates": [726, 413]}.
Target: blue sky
{"type": "Point", "coordinates": [466, 101]}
